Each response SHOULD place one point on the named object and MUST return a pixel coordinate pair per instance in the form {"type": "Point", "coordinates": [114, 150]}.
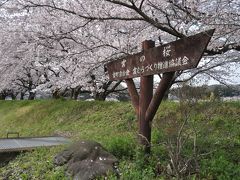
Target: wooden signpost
{"type": "Point", "coordinates": [179, 55]}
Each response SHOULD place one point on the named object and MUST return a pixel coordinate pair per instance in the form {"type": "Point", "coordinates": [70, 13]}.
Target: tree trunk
{"type": "Point", "coordinates": [13, 96]}
{"type": "Point", "coordinates": [22, 95]}
{"type": "Point", "coordinates": [31, 96]}
{"type": "Point", "coordinates": [75, 95]}
{"type": "Point", "coordinates": [72, 93]}
{"type": "Point", "coordinates": [100, 97]}
{"type": "Point", "coordinates": [2, 97]}
{"type": "Point", "coordinates": [56, 94]}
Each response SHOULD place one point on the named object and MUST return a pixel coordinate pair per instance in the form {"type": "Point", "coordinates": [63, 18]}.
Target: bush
{"type": "Point", "coordinates": [219, 167]}
{"type": "Point", "coordinates": [121, 147]}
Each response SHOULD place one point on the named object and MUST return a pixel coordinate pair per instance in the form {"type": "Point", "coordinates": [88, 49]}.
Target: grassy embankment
{"type": "Point", "coordinates": [213, 127]}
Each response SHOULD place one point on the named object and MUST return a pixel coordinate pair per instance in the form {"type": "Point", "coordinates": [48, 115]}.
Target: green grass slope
{"type": "Point", "coordinates": [95, 120]}
{"type": "Point", "coordinates": [212, 126]}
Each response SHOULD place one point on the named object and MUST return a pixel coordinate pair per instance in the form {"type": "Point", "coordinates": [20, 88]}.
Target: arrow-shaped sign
{"type": "Point", "coordinates": [182, 54]}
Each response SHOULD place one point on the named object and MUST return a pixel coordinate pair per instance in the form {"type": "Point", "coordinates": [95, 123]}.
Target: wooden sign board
{"type": "Point", "coordinates": [179, 55]}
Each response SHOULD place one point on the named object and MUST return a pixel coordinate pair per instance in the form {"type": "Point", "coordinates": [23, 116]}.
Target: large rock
{"type": "Point", "coordinates": [86, 160]}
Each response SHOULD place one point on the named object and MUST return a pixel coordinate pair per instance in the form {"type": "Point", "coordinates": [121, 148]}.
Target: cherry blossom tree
{"type": "Point", "coordinates": [125, 24]}
{"type": "Point", "coordinates": [70, 41]}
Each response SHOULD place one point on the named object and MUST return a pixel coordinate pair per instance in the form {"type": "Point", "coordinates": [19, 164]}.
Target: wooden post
{"type": "Point", "coordinates": [146, 94]}
{"type": "Point", "coordinates": [133, 94]}
{"type": "Point", "coordinates": [162, 88]}
{"type": "Point", "coordinates": [167, 59]}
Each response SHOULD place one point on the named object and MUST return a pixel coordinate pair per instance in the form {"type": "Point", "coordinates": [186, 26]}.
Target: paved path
{"type": "Point", "coordinates": [22, 144]}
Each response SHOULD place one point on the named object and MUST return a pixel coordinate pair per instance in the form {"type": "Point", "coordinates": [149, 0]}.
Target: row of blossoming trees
{"type": "Point", "coordinates": [60, 47]}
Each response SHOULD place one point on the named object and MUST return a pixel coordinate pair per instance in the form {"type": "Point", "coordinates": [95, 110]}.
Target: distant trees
{"type": "Point", "coordinates": [205, 92]}
{"type": "Point", "coordinates": [64, 44]}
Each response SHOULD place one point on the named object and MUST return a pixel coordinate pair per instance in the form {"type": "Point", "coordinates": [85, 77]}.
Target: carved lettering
{"type": "Point", "coordinates": [167, 51]}
{"type": "Point", "coordinates": [138, 70]}
{"type": "Point", "coordinates": [149, 67]}
{"type": "Point", "coordinates": [185, 60]}
{"type": "Point", "coordinates": [123, 63]}
{"type": "Point", "coordinates": [142, 58]}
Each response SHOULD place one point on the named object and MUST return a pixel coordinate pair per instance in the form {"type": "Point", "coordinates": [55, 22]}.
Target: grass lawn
{"type": "Point", "coordinates": [210, 137]}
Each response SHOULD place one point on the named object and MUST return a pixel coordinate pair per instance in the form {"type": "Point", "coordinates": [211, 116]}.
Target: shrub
{"type": "Point", "coordinates": [219, 167]}
{"type": "Point", "coordinates": [121, 147]}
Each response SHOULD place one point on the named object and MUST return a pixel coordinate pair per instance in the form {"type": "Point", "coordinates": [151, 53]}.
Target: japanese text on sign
{"type": "Point", "coordinates": [182, 54]}
{"type": "Point", "coordinates": [179, 61]}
